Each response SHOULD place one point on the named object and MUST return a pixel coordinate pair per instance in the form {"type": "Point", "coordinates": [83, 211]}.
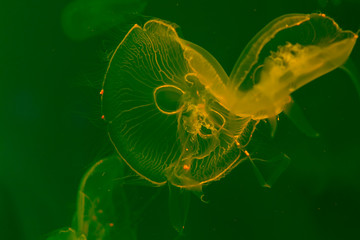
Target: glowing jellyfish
{"type": "Point", "coordinates": [175, 116]}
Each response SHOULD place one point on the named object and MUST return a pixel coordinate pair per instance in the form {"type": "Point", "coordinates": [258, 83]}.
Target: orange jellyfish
{"type": "Point", "coordinates": [175, 116]}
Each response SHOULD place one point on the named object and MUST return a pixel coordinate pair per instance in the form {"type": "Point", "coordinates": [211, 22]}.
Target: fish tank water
{"type": "Point", "coordinates": [134, 119]}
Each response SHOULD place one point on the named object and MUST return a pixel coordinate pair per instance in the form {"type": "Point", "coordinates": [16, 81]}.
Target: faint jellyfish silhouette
{"type": "Point", "coordinates": [104, 209]}
{"type": "Point", "coordinates": [82, 19]}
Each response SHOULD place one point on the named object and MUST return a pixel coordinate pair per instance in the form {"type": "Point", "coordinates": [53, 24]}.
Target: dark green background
{"type": "Point", "coordinates": [51, 132]}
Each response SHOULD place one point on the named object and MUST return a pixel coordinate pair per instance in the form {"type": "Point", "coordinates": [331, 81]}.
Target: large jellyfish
{"type": "Point", "coordinates": [175, 116]}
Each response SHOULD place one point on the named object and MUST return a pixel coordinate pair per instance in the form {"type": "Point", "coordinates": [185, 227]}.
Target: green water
{"type": "Point", "coordinates": [51, 131]}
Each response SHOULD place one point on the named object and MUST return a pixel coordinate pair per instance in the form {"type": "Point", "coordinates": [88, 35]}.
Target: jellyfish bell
{"type": "Point", "coordinates": [288, 53]}
{"type": "Point", "coordinates": [162, 117]}
{"type": "Point", "coordinates": [162, 120]}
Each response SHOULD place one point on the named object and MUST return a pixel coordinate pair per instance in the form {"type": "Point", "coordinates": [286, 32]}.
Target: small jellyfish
{"type": "Point", "coordinates": [82, 19]}
{"type": "Point", "coordinates": [174, 115]}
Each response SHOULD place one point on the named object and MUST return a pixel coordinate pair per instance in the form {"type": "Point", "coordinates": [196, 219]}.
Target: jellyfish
{"type": "Point", "coordinates": [82, 19]}
{"type": "Point", "coordinates": [104, 208]}
{"type": "Point", "coordinates": [175, 116]}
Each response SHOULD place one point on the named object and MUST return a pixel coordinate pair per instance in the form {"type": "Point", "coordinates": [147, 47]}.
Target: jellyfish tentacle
{"type": "Point", "coordinates": [268, 171]}
{"type": "Point", "coordinates": [297, 117]}
{"type": "Point", "coordinates": [350, 69]}
{"type": "Point", "coordinates": [179, 202]}
{"type": "Point", "coordinates": [273, 125]}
